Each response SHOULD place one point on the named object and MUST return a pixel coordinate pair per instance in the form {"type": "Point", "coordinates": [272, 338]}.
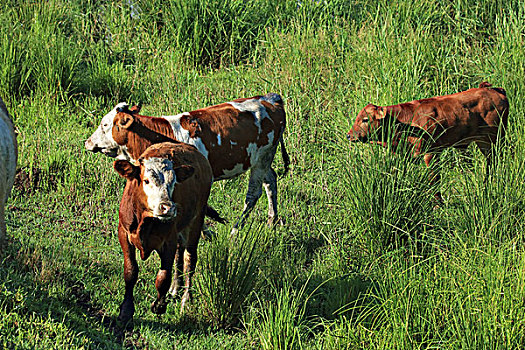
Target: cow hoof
{"type": "Point", "coordinates": [126, 314]}
{"type": "Point", "coordinates": [274, 222]}
{"type": "Point", "coordinates": [174, 290]}
{"type": "Point", "coordinates": [159, 306]}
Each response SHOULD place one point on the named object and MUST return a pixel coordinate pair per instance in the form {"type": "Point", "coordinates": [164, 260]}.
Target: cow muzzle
{"type": "Point", "coordinates": [165, 211]}
{"type": "Point", "coordinates": [354, 137]}
{"type": "Point", "coordinates": [351, 137]}
{"type": "Point", "coordinates": [110, 152]}
{"type": "Point", "coordinates": [91, 146]}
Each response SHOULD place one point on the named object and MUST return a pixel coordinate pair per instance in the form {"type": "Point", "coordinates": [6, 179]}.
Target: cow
{"type": "Point", "coordinates": [8, 158]}
{"type": "Point", "coordinates": [162, 209]}
{"type": "Point", "coordinates": [477, 115]}
{"type": "Point", "coordinates": [233, 136]}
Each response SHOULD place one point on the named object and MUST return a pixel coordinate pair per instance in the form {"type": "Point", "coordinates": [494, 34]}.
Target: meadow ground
{"type": "Point", "coordinates": [363, 259]}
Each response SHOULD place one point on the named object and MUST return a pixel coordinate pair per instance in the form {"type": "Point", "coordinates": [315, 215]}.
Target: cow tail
{"type": "Point", "coordinates": [284, 154]}
{"type": "Point", "coordinates": [214, 215]}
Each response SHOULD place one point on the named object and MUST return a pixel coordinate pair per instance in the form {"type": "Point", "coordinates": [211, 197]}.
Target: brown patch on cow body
{"type": "Point", "coordinates": [237, 130]}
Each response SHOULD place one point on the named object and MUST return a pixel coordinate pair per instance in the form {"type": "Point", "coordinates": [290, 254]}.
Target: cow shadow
{"type": "Point", "coordinates": [26, 295]}
{"type": "Point", "coordinates": [77, 308]}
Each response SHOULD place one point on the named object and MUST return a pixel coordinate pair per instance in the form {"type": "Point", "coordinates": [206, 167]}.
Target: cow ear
{"type": "Point", "coordinates": [125, 121]}
{"type": "Point", "coordinates": [383, 112]}
{"type": "Point", "coordinates": [135, 109]}
{"type": "Point", "coordinates": [196, 128]}
{"type": "Point", "coordinates": [126, 169]}
{"type": "Point", "coordinates": [192, 125]}
{"type": "Point", "coordinates": [380, 112]}
{"type": "Point", "coordinates": [184, 172]}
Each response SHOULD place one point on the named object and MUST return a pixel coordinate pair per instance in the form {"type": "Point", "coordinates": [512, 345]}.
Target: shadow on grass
{"type": "Point", "coordinates": [74, 305]}
{"type": "Point", "coordinates": [344, 295]}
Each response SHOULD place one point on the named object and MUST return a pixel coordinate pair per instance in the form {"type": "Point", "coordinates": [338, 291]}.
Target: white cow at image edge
{"type": "Point", "coordinates": [8, 157]}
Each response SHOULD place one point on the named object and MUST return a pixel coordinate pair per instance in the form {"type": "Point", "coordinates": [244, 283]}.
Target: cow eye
{"type": "Point", "coordinates": [146, 181]}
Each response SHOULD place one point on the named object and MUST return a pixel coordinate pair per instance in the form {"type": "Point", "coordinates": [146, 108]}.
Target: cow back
{"type": "Point", "coordinates": [475, 115]}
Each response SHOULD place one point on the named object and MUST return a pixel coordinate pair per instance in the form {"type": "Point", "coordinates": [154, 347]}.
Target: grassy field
{"type": "Point", "coordinates": [363, 259]}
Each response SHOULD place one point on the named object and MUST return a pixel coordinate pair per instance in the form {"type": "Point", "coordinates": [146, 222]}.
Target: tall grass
{"type": "Point", "coordinates": [390, 194]}
{"type": "Point", "coordinates": [392, 269]}
{"type": "Point", "coordinates": [281, 322]}
{"type": "Point", "coordinates": [229, 274]}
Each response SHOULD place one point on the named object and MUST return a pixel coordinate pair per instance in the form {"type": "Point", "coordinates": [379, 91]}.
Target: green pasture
{"type": "Point", "coordinates": [364, 259]}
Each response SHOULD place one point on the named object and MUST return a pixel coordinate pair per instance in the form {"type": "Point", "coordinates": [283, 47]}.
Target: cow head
{"type": "Point", "coordinates": [156, 179]}
{"type": "Point", "coordinates": [367, 121]}
{"type": "Point", "coordinates": [102, 139]}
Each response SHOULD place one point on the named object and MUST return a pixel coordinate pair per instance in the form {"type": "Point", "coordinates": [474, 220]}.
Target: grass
{"type": "Point", "coordinates": [363, 259]}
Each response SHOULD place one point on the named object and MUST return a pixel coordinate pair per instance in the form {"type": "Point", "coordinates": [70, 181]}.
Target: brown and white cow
{"type": "Point", "coordinates": [8, 157]}
{"type": "Point", "coordinates": [162, 209]}
{"type": "Point", "coordinates": [233, 136]}
{"type": "Point", "coordinates": [477, 115]}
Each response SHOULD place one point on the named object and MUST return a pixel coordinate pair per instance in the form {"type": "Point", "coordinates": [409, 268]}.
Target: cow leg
{"type": "Point", "coordinates": [163, 280]}
{"type": "Point", "coordinates": [435, 176]}
{"type": "Point", "coordinates": [190, 260]}
{"type": "Point", "coordinates": [179, 265]}
{"type": "Point", "coordinates": [257, 175]}
{"type": "Point", "coordinates": [487, 151]}
{"type": "Point", "coordinates": [270, 186]}
{"type": "Point", "coordinates": [131, 271]}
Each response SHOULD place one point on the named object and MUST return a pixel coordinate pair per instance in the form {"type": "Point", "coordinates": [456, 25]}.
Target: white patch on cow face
{"type": "Point", "coordinates": [236, 170]}
{"type": "Point", "coordinates": [253, 106]}
{"type": "Point", "coordinates": [158, 182]}
{"type": "Point", "coordinates": [183, 135]}
{"type": "Point", "coordinates": [102, 139]}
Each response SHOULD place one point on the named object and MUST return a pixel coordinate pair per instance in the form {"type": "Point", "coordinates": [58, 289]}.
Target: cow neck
{"type": "Point", "coordinates": [146, 131]}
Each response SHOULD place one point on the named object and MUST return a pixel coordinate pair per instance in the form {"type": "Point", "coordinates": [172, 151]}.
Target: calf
{"type": "Point", "coordinates": [234, 137]}
{"type": "Point", "coordinates": [162, 209]}
{"type": "Point", "coordinates": [477, 115]}
{"type": "Point", "coordinates": [8, 157]}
